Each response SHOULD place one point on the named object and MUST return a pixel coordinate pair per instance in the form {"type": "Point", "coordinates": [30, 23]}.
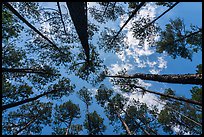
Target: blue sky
{"type": "Point", "coordinates": [190, 12]}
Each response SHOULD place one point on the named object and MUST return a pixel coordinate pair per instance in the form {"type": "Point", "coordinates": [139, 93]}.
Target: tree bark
{"type": "Point", "coordinates": [4, 107]}
{"type": "Point", "coordinates": [78, 13]}
{"type": "Point", "coordinates": [168, 78]}
{"type": "Point", "coordinates": [123, 123]}
{"type": "Point", "coordinates": [69, 125]}
{"type": "Point", "coordinates": [130, 17]}
{"type": "Point", "coordinates": [88, 118]}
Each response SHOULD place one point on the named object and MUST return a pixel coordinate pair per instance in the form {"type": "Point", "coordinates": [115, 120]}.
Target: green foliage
{"type": "Point", "coordinates": [114, 107]}
{"type": "Point", "coordinates": [65, 114]}
{"type": "Point", "coordinates": [139, 115]}
{"type": "Point", "coordinates": [186, 115]}
{"type": "Point", "coordinates": [196, 93]}
{"type": "Point", "coordinates": [11, 93]}
{"type": "Point", "coordinates": [109, 43]}
{"type": "Point", "coordinates": [86, 70]}
{"type": "Point", "coordinates": [167, 4]}
{"type": "Point", "coordinates": [11, 27]}
{"type": "Point", "coordinates": [38, 54]}
{"type": "Point", "coordinates": [12, 56]}
{"type": "Point", "coordinates": [31, 118]}
{"type": "Point", "coordinates": [28, 9]}
{"type": "Point", "coordinates": [133, 5]}
{"type": "Point", "coordinates": [199, 69]}
{"type": "Point", "coordinates": [75, 129]}
{"type": "Point", "coordinates": [107, 11]}
{"type": "Point", "coordinates": [177, 41]}
{"type": "Point", "coordinates": [144, 32]}
{"type": "Point", "coordinates": [85, 95]}
{"type": "Point", "coordinates": [96, 124]}
{"type": "Point", "coordinates": [62, 88]}
{"type": "Point", "coordinates": [103, 95]}
{"type": "Point", "coordinates": [168, 91]}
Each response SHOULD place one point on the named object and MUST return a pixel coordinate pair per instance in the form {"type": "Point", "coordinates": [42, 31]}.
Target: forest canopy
{"type": "Point", "coordinates": [100, 68]}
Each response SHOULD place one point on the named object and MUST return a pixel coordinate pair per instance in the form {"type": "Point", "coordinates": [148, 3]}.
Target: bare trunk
{"type": "Point", "coordinates": [124, 124]}
{"type": "Point", "coordinates": [78, 13]}
{"type": "Point", "coordinates": [88, 118]}
{"type": "Point", "coordinates": [68, 127]}
{"type": "Point", "coordinates": [168, 78]}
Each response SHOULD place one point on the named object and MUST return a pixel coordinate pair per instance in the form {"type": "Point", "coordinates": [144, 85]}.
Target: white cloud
{"type": "Point", "coordinates": [115, 68]}
{"type": "Point", "coordinates": [154, 71]}
{"type": "Point", "coordinates": [162, 63]}
{"type": "Point", "coordinates": [141, 57]}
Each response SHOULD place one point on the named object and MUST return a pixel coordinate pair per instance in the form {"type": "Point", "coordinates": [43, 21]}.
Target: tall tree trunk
{"type": "Point", "coordinates": [130, 17]}
{"type": "Point", "coordinates": [28, 124]}
{"type": "Point", "coordinates": [78, 13]}
{"type": "Point", "coordinates": [29, 25]}
{"type": "Point", "coordinates": [88, 119]}
{"type": "Point", "coordinates": [123, 123]}
{"type": "Point", "coordinates": [12, 70]}
{"type": "Point", "coordinates": [68, 127]}
{"type": "Point", "coordinates": [168, 78]}
{"type": "Point", "coordinates": [4, 107]}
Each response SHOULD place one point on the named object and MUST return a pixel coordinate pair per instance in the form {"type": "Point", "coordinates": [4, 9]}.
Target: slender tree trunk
{"type": "Point", "coordinates": [24, 71]}
{"type": "Point", "coordinates": [197, 123]}
{"type": "Point", "coordinates": [58, 5]}
{"type": "Point", "coordinates": [88, 119]}
{"type": "Point", "coordinates": [68, 127]}
{"type": "Point", "coordinates": [130, 17]}
{"type": "Point", "coordinates": [137, 123]}
{"type": "Point", "coordinates": [29, 25]}
{"type": "Point", "coordinates": [28, 124]}
{"type": "Point", "coordinates": [4, 107]}
{"type": "Point", "coordinates": [123, 123]}
{"type": "Point", "coordinates": [168, 78]}
{"type": "Point", "coordinates": [171, 96]}
{"type": "Point", "coordinates": [78, 13]}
